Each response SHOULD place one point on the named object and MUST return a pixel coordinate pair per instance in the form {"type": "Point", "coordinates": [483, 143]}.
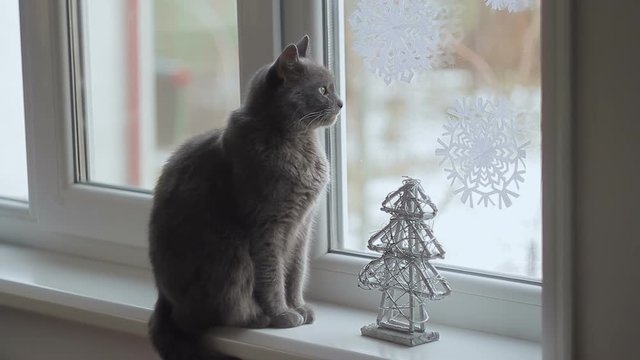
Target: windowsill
{"type": "Point", "coordinates": [121, 297]}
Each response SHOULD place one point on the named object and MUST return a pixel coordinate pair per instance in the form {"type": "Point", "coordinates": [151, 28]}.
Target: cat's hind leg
{"type": "Point", "coordinates": [237, 306]}
{"type": "Point", "coordinates": [243, 311]}
{"type": "Point", "coordinates": [258, 319]}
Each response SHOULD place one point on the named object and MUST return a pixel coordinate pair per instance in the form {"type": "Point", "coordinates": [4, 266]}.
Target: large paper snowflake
{"type": "Point", "coordinates": [512, 5]}
{"type": "Point", "coordinates": [483, 148]}
{"type": "Point", "coordinates": [398, 38]}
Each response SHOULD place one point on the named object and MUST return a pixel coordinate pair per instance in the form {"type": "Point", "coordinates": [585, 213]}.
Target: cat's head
{"type": "Point", "coordinates": [297, 92]}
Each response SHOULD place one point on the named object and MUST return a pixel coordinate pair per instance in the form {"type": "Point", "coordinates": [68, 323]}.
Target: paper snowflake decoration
{"type": "Point", "coordinates": [484, 152]}
{"type": "Point", "coordinates": [399, 38]}
{"type": "Point", "coordinates": [512, 5]}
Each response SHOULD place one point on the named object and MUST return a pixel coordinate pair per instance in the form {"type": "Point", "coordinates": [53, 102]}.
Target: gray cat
{"type": "Point", "coordinates": [233, 210]}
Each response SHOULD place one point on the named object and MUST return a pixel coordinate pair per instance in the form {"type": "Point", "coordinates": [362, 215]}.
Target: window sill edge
{"type": "Point", "coordinates": [82, 290]}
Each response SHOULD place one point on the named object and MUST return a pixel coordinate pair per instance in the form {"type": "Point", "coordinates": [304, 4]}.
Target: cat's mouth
{"type": "Point", "coordinates": [323, 118]}
{"type": "Point", "coordinates": [331, 119]}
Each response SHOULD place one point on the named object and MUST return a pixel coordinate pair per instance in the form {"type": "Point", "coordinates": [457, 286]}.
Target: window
{"type": "Point", "coordinates": [464, 118]}
{"type": "Point", "coordinates": [13, 155]}
{"type": "Point", "coordinates": [387, 131]}
{"type": "Point", "coordinates": [138, 78]}
{"type": "Point", "coordinates": [156, 72]}
{"type": "Point", "coordinates": [121, 83]}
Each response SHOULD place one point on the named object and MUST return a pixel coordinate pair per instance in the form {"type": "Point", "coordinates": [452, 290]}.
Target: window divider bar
{"type": "Point", "coordinates": [557, 180]}
{"type": "Point", "coordinates": [76, 69]}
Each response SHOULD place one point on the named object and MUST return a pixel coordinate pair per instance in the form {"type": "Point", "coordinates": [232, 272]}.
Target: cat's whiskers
{"type": "Point", "coordinates": [321, 116]}
{"type": "Point", "coordinates": [314, 115]}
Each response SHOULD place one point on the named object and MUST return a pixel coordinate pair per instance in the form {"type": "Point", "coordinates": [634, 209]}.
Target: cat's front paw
{"type": "Point", "coordinates": [287, 319]}
{"type": "Point", "coordinates": [307, 313]}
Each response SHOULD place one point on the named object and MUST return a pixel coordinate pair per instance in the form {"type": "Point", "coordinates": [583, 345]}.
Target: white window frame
{"type": "Point", "coordinates": [69, 217]}
{"type": "Point", "coordinates": [60, 204]}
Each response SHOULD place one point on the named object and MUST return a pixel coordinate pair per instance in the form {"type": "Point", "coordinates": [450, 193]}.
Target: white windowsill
{"type": "Point", "coordinates": [121, 297]}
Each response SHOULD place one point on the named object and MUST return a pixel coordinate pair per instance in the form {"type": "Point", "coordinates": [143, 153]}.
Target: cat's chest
{"type": "Point", "coordinates": [283, 179]}
{"type": "Point", "coordinates": [301, 172]}
{"type": "Point", "coordinates": [305, 170]}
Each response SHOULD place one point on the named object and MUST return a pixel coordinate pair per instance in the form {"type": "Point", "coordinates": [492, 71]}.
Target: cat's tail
{"type": "Point", "coordinates": [172, 342]}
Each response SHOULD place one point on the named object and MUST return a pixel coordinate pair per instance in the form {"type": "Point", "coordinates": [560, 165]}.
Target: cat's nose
{"type": "Point", "coordinates": [339, 103]}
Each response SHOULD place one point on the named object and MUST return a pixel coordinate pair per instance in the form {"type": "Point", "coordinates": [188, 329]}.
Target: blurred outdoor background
{"type": "Point", "coordinates": [157, 72]}
{"type": "Point", "coordinates": [392, 131]}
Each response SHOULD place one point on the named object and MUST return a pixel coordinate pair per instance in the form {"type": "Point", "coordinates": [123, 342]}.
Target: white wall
{"type": "Point", "coordinates": [607, 179]}
{"type": "Point", "coordinates": [28, 336]}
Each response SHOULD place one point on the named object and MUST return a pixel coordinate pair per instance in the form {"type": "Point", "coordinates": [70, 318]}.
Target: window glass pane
{"type": "Point", "coordinates": [157, 72]}
{"type": "Point", "coordinates": [447, 92]}
{"type": "Point", "coordinates": [13, 156]}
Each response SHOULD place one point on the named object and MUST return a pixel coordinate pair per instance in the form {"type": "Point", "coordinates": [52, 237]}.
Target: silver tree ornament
{"type": "Point", "coordinates": [403, 272]}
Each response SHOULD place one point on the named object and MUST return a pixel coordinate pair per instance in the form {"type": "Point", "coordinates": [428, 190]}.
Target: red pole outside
{"type": "Point", "coordinates": [133, 95]}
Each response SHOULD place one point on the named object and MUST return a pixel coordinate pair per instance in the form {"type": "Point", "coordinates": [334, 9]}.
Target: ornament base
{"type": "Point", "coordinates": [407, 339]}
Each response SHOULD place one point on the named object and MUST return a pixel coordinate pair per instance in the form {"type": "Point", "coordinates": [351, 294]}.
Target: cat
{"type": "Point", "coordinates": [233, 210]}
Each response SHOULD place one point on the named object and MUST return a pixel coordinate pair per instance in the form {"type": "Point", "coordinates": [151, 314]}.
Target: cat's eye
{"type": "Point", "coordinates": [323, 90]}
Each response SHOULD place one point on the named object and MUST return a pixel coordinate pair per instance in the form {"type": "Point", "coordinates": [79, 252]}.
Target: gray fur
{"type": "Point", "coordinates": [233, 209]}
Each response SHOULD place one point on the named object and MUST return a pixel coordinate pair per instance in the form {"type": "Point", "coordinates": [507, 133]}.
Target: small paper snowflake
{"type": "Point", "coordinates": [512, 5]}
{"type": "Point", "coordinates": [482, 145]}
{"type": "Point", "coordinates": [398, 38]}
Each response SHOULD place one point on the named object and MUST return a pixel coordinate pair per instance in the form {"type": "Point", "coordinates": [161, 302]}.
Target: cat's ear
{"type": "Point", "coordinates": [287, 60]}
{"type": "Point", "coordinates": [303, 46]}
